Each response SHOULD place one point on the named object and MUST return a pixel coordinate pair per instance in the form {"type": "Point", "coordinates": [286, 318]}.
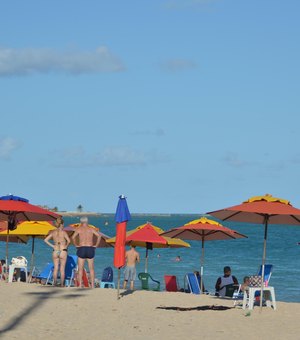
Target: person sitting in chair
{"type": "Point", "coordinates": [225, 282]}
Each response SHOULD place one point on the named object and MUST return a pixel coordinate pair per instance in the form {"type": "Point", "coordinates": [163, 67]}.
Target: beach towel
{"type": "Point", "coordinates": [255, 281]}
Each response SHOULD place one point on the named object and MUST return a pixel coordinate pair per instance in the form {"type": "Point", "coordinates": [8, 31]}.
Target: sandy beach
{"type": "Point", "coordinates": [34, 311]}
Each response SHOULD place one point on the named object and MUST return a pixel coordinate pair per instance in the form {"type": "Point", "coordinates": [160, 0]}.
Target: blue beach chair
{"type": "Point", "coordinates": [46, 274]}
{"type": "Point", "coordinates": [70, 270]}
{"type": "Point", "coordinates": [192, 283]}
{"type": "Point", "coordinates": [267, 273]}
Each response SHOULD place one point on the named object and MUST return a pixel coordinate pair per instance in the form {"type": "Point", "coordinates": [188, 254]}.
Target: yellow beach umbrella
{"type": "Point", "coordinates": [31, 228]}
{"type": "Point", "coordinates": [27, 229]}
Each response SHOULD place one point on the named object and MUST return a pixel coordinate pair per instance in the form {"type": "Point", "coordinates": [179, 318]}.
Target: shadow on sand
{"type": "Point", "coordinates": [199, 308]}
{"type": "Point", "coordinates": [39, 299]}
{"type": "Point", "coordinates": [126, 292]}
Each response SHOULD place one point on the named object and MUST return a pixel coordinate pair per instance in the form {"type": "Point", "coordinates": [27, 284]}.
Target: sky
{"type": "Point", "coordinates": [183, 106]}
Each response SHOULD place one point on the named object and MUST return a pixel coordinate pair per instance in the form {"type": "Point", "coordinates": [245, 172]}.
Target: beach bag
{"type": "Point", "coordinates": [19, 261]}
{"type": "Point", "coordinates": [255, 281]}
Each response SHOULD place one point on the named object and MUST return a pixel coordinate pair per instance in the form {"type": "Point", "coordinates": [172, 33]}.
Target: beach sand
{"type": "Point", "coordinates": [39, 312]}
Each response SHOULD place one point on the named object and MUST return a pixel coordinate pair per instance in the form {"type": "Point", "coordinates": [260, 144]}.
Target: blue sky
{"type": "Point", "coordinates": [182, 105]}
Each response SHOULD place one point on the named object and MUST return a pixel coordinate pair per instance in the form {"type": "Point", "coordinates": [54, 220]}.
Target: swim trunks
{"type": "Point", "coordinates": [86, 252]}
{"type": "Point", "coordinates": [129, 273]}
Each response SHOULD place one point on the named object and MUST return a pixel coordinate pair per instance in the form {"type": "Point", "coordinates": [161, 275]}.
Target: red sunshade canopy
{"type": "Point", "coordinates": [146, 234]}
{"type": "Point", "coordinates": [24, 211]}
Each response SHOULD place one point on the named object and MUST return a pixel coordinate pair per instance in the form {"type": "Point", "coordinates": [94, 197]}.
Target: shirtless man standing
{"type": "Point", "coordinates": [132, 257]}
{"type": "Point", "coordinates": [86, 248]}
{"type": "Point", "coordinates": [60, 245]}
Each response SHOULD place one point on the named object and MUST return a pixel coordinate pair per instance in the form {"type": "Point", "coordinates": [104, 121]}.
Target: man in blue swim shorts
{"type": "Point", "coordinates": [86, 248]}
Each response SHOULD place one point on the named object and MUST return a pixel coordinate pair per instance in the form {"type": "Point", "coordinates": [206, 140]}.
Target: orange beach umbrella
{"type": "Point", "coordinates": [203, 230]}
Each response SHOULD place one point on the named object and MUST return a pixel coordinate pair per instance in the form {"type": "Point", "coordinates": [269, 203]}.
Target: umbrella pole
{"type": "Point", "coordinates": [32, 259]}
{"type": "Point", "coordinates": [146, 261]}
{"type": "Point", "coordinates": [202, 264]}
{"type": "Point", "coordinates": [263, 263]}
{"type": "Point", "coordinates": [118, 290]}
{"type": "Point", "coordinates": [6, 252]}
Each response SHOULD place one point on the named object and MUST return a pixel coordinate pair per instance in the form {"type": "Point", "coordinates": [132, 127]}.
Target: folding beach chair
{"type": "Point", "coordinates": [107, 279]}
{"type": "Point", "coordinates": [46, 275]}
{"type": "Point", "coordinates": [192, 283]}
{"type": "Point", "coordinates": [268, 272]}
{"type": "Point", "coordinates": [144, 278]}
{"type": "Point", "coordinates": [70, 270]}
{"type": "Point", "coordinates": [267, 277]}
{"type": "Point", "coordinates": [171, 283]}
{"type": "Point", "coordinates": [237, 295]}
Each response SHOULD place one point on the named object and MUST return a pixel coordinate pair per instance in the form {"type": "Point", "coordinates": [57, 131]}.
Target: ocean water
{"type": "Point", "coordinates": [243, 255]}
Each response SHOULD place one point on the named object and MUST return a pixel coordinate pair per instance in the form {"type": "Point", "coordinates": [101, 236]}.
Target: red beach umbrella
{"type": "Point", "coordinates": [14, 209]}
{"type": "Point", "coordinates": [203, 230]}
{"type": "Point", "coordinates": [261, 210]}
{"type": "Point", "coordinates": [146, 234]}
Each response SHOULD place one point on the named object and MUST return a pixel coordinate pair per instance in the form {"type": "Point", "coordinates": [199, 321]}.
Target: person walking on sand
{"type": "Point", "coordinates": [86, 248]}
{"type": "Point", "coordinates": [132, 257]}
{"type": "Point", "coordinates": [60, 245]}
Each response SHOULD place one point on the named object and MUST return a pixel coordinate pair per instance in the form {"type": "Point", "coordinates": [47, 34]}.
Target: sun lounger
{"type": "Point", "coordinates": [171, 283]}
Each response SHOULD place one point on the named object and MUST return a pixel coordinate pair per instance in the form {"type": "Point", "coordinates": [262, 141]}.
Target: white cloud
{"type": "Point", "coordinates": [7, 146]}
{"type": "Point", "coordinates": [28, 61]}
{"type": "Point", "coordinates": [176, 65]}
{"type": "Point", "coordinates": [112, 156]}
